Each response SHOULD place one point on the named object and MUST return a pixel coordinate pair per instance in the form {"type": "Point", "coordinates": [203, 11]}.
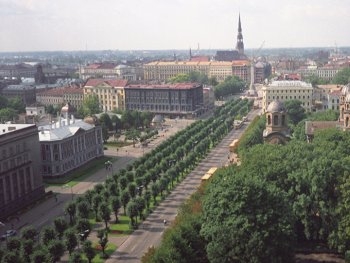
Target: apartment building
{"type": "Point", "coordinates": [284, 90]}
{"type": "Point", "coordinates": [20, 179]}
{"type": "Point", "coordinates": [162, 71]}
{"type": "Point", "coordinates": [26, 93]}
{"type": "Point", "coordinates": [58, 96]}
{"type": "Point", "coordinates": [110, 71]}
{"type": "Point", "coordinates": [181, 99]}
{"type": "Point", "coordinates": [110, 92]}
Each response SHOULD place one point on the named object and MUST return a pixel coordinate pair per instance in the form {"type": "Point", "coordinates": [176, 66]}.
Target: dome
{"type": "Point", "coordinates": [276, 106]}
{"type": "Point", "coordinates": [345, 90]}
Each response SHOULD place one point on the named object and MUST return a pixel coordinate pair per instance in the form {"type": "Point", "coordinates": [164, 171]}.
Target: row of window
{"type": "Point", "coordinates": [13, 150]}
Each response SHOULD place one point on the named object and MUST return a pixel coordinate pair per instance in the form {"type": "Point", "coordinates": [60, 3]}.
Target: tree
{"type": "Point", "coordinates": [90, 105]}
{"type": "Point", "coordinates": [132, 190]}
{"type": "Point", "coordinates": [342, 77]}
{"type": "Point", "coordinates": [70, 209]}
{"type": "Point", "coordinates": [295, 111]}
{"type": "Point", "coordinates": [103, 240]}
{"type": "Point", "coordinates": [140, 204]}
{"type": "Point", "coordinates": [155, 191]}
{"type": "Point", "coordinates": [96, 200]}
{"type": "Point", "coordinates": [47, 234]}
{"type": "Point", "coordinates": [180, 78]}
{"type": "Point", "coordinates": [251, 223]}
{"type": "Point", "coordinates": [27, 249]}
{"type": "Point", "coordinates": [75, 258]}
{"type": "Point", "coordinates": [60, 226]}
{"type": "Point", "coordinates": [125, 198]}
{"type": "Point", "coordinates": [17, 105]}
{"type": "Point", "coordinates": [105, 213]}
{"type": "Point", "coordinates": [56, 250]}
{"type": "Point", "coordinates": [83, 209]}
{"type": "Point", "coordinates": [132, 212]}
{"type": "Point", "coordinates": [7, 114]}
{"type": "Point", "coordinates": [13, 244]}
{"type": "Point", "coordinates": [40, 256]}
{"type": "Point", "coordinates": [70, 240]}
{"type": "Point", "coordinates": [106, 120]}
{"type": "Point", "coordinates": [29, 233]}
{"type": "Point", "coordinates": [88, 250]}
{"type": "Point", "coordinates": [116, 204]}
{"type": "Point", "coordinates": [11, 257]}
{"type": "Point", "coordinates": [83, 226]}
{"type": "Point", "coordinates": [133, 135]}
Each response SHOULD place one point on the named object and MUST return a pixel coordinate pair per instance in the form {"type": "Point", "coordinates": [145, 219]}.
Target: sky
{"type": "Point", "coordinates": [51, 25]}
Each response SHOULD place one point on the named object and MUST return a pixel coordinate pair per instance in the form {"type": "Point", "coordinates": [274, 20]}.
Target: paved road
{"type": "Point", "coordinates": [151, 230]}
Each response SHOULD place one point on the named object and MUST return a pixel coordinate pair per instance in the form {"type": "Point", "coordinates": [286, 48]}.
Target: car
{"type": "Point", "coordinates": [8, 233]}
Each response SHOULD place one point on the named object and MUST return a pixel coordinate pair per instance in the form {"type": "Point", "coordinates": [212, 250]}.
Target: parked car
{"type": "Point", "coordinates": [8, 233]}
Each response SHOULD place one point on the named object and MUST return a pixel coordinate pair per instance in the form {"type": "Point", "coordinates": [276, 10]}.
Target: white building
{"type": "Point", "coordinates": [284, 90]}
{"type": "Point", "coordinates": [69, 144]}
{"type": "Point", "coordinates": [35, 110]}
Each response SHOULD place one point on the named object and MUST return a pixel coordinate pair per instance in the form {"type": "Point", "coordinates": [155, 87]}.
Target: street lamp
{"type": "Point", "coordinates": [109, 167]}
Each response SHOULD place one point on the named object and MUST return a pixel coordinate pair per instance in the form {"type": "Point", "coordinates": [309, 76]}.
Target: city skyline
{"type": "Point", "coordinates": [43, 25]}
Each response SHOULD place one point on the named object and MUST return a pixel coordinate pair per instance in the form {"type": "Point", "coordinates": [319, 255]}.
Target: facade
{"type": "Point", "coordinates": [20, 179]}
{"type": "Point", "coordinates": [25, 92]}
{"type": "Point", "coordinates": [110, 92]}
{"type": "Point", "coordinates": [68, 144]}
{"type": "Point", "coordinates": [17, 71]}
{"type": "Point", "coordinates": [288, 90]}
{"type": "Point", "coordinates": [327, 97]}
{"type": "Point", "coordinates": [327, 73]}
{"type": "Point", "coordinates": [162, 71]}
{"type": "Point", "coordinates": [110, 71]}
{"type": "Point", "coordinates": [168, 99]}
{"type": "Point", "coordinates": [59, 96]}
{"type": "Point", "coordinates": [277, 131]}
{"type": "Point", "coordinates": [35, 110]}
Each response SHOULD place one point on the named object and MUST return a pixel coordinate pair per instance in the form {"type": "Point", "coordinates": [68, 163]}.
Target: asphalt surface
{"type": "Point", "coordinates": [150, 231]}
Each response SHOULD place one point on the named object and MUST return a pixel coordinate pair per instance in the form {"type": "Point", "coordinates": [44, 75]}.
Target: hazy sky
{"type": "Point", "coordinates": [33, 25]}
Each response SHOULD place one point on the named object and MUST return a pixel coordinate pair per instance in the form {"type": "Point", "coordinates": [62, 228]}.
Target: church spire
{"type": "Point", "coordinates": [240, 44]}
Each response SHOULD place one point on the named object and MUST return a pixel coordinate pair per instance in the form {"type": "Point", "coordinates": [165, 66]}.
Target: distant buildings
{"type": "Point", "coordinates": [162, 71]}
{"type": "Point", "coordinates": [20, 179]}
{"type": "Point", "coordinates": [59, 96]}
{"type": "Point", "coordinates": [17, 71]}
{"type": "Point", "coordinates": [111, 71]}
{"type": "Point", "coordinates": [227, 63]}
{"type": "Point", "coordinates": [182, 99]}
{"type": "Point", "coordinates": [26, 93]}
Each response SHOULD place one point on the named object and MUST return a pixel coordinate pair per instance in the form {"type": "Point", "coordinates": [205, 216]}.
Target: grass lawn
{"type": "Point", "coordinates": [122, 228]}
{"type": "Point", "coordinates": [80, 174]}
{"type": "Point", "coordinates": [109, 251]}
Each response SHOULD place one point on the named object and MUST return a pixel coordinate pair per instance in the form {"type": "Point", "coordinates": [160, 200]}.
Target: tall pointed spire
{"type": "Point", "coordinates": [240, 44]}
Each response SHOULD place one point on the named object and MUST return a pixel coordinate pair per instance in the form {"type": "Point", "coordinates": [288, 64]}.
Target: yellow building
{"type": "Point", "coordinates": [163, 71]}
{"type": "Point", "coordinates": [288, 90]}
{"type": "Point", "coordinates": [110, 92]}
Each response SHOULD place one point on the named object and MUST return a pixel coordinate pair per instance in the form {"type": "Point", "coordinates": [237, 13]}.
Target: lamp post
{"type": "Point", "coordinates": [109, 167]}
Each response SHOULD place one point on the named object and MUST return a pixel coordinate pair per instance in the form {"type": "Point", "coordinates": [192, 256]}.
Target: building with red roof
{"type": "Point", "coordinates": [110, 92]}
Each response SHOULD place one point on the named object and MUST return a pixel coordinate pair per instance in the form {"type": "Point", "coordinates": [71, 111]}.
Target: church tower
{"type": "Point", "coordinates": [240, 44]}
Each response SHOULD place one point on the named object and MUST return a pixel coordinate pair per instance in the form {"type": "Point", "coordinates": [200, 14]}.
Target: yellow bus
{"type": "Point", "coordinates": [208, 174]}
{"type": "Point", "coordinates": [233, 145]}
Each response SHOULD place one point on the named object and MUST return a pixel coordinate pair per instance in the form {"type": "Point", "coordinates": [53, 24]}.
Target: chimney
{"type": "Point", "coordinates": [73, 119]}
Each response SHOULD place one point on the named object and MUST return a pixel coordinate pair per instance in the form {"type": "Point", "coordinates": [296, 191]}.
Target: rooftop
{"type": "Point", "coordinates": [164, 86]}
{"type": "Point", "coordinates": [109, 82]}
